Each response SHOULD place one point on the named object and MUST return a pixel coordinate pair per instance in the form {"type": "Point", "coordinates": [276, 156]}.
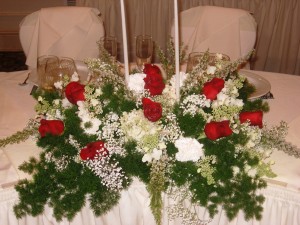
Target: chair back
{"type": "Point", "coordinates": [66, 31]}
{"type": "Point", "coordinates": [217, 29]}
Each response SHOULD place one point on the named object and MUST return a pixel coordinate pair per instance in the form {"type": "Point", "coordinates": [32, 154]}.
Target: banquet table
{"type": "Point", "coordinates": [281, 207]}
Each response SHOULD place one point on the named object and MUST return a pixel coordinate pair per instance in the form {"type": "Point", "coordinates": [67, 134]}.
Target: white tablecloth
{"type": "Point", "coordinates": [282, 205]}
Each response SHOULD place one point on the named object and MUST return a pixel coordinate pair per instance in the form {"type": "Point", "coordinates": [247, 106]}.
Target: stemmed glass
{"type": "Point", "coordinates": [144, 50]}
{"type": "Point", "coordinates": [52, 69]}
{"type": "Point", "coordinates": [109, 43]}
{"type": "Point", "coordinates": [195, 57]}
{"type": "Point", "coordinates": [45, 64]}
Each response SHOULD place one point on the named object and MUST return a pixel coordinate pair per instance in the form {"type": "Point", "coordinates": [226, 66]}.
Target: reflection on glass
{"type": "Point", "coordinates": [144, 50]}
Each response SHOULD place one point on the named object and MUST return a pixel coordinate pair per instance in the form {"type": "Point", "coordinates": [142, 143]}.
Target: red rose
{"type": "Point", "coordinates": [153, 81]}
{"type": "Point", "coordinates": [74, 92]}
{"type": "Point", "coordinates": [53, 127]}
{"type": "Point", "coordinates": [212, 88]}
{"type": "Point", "coordinates": [92, 149]}
{"type": "Point", "coordinates": [151, 69]}
{"type": "Point", "coordinates": [255, 118]}
{"type": "Point", "coordinates": [152, 110]}
{"type": "Point", "coordinates": [215, 130]}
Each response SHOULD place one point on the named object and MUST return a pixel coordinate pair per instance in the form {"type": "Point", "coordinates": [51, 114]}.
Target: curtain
{"type": "Point", "coordinates": [278, 33]}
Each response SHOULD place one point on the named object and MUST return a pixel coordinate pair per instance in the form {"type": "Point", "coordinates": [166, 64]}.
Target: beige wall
{"type": "Point", "coordinates": [11, 14]}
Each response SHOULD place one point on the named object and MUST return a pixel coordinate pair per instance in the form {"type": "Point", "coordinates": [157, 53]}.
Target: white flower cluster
{"type": "Point", "coordinates": [89, 123]}
{"type": "Point", "coordinates": [136, 82]}
{"type": "Point", "coordinates": [72, 141]}
{"type": "Point", "coordinates": [113, 134]}
{"type": "Point", "coordinates": [50, 112]}
{"type": "Point", "coordinates": [182, 206]}
{"type": "Point", "coordinates": [254, 133]}
{"type": "Point", "coordinates": [135, 126]}
{"type": "Point", "coordinates": [193, 104]}
{"type": "Point", "coordinates": [60, 163]}
{"type": "Point", "coordinates": [171, 130]}
{"type": "Point", "coordinates": [228, 96]}
{"type": "Point", "coordinates": [111, 175]}
{"type": "Point", "coordinates": [154, 154]}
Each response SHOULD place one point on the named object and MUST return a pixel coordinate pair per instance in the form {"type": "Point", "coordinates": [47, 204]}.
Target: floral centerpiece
{"type": "Point", "coordinates": [211, 148]}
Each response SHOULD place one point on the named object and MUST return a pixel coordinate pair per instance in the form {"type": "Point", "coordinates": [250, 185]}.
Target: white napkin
{"type": "Point", "coordinates": [62, 31]}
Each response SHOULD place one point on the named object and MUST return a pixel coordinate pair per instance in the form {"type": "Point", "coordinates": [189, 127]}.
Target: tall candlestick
{"type": "Point", "coordinates": [126, 64]}
{"type": "Point", "coordinates": [177, 75]}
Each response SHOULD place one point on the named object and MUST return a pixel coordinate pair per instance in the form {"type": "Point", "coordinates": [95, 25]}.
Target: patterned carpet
{"type": "Point", "coordinates": [12, 61]}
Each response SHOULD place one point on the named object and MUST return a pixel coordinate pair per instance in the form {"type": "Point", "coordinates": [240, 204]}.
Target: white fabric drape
{"type": "Point", "coordinates": [281, 207]}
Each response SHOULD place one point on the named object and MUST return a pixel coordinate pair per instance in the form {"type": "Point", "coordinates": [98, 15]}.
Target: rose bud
{"type": "Point", "coordinates": [255, 118]}
{"type": "Point", "coordinates": [152, 110]}
{"type": "Point", "coordinates": [53, 127]}
{"type": "Point", "coordinates": [153, 81]}
{"type": "Point", "coordinates": [215, 130]}
{"type": "Point", "coordinates": [151, 69]}
{"type": "Point", "coordinates": [212, 88]}
{"type": "Point", "coordinates": [74, 92]}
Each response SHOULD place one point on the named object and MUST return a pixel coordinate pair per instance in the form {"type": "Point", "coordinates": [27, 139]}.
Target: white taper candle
{"type": "Point", "coordinates": [125, 49]}
{"type": "Point", "coordinates": [177, 75]}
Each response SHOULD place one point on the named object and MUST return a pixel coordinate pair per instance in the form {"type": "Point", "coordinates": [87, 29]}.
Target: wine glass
{"type": "Point", "coordinates": [194, 59]}
{"type": "Point", "coordinates": [144, 50]}
{"type": "Point", "coordinates": [46, 63]}
{"type": "Point", "coordinates": [109, 43]}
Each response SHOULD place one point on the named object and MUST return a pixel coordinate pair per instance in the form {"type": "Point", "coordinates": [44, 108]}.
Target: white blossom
{"type": "Point", "coordinates": [189, 149]}
{"type": "Point", "coordinates": [94, 102]}
{"type": "Point", "coordinates": [193, 104]}
{"type": "Point", "coordinates": [40, 99]}
{"type": "Point", "coordinates": [58, 85]}
{"type": "Point", "coordinates": [136, 82]}
{"type": "Point", "coordinates": [75, 77]}
{"type": "Point", "coordinates": [211, 70]}
{"type": "Point", "coordinates": [66, 103]}
{"type": "Point", "coordinates": [154, 155]}
{"type": "Point", "coordinates": [135, 126]}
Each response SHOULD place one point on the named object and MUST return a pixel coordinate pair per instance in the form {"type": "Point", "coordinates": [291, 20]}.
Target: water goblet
{"type": "Point", "coordinates": [66, 67]}
{"type": "Point", "coordinates": [109, 43]}
{"type": "Point", "coordinates": [194, 59]}
{"type": "Point", "coordinates": [45, 64]}
{"type": "Point", "coordinates": [144, 50]}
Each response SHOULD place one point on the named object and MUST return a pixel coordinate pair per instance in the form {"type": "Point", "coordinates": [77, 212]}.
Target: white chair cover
{"type": "Point", "coordinates": [61, 31]}
{"type": "Point", "coordinates": [221, 30]}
